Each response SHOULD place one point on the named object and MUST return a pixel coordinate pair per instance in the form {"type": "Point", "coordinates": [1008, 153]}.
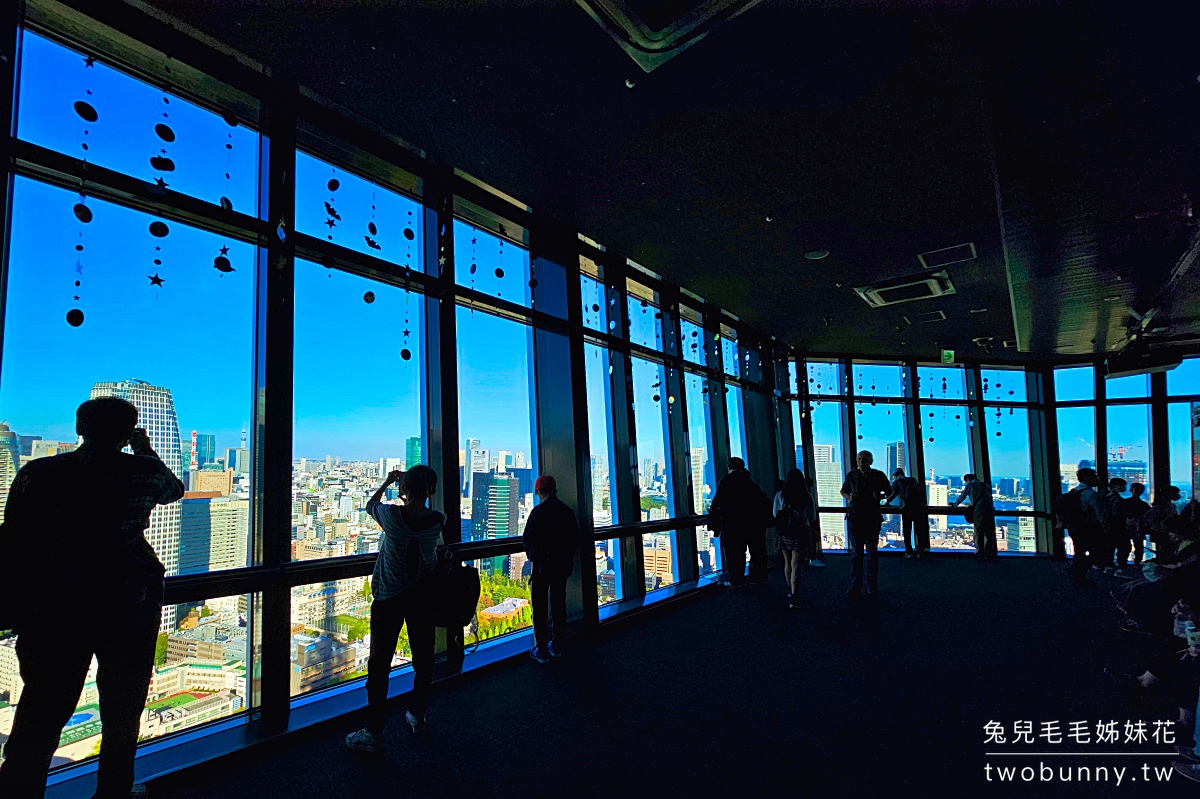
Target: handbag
{"type": "Point", "coordinates": [969, 515]}
{"type": "Point", "coordinates": [452, 591]}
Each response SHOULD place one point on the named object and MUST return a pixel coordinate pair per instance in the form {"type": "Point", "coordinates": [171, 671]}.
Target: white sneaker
{"type": "Point", "coordinates": [820, 564]}
{"type": "Point", "coordinates": [363, 741]}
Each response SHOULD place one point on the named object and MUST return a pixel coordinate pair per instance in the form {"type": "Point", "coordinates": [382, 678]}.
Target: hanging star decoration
{"type": "Point", "coordinates": [155, 280]}
{"type": "Point", "coordinates": [88, 62]}
{"type": "Point", "coordinates": [78, 268]}
{"type": "Point", "coordinates": [160, 184]}
{"type": "Point", "coordinates": [224, 251]}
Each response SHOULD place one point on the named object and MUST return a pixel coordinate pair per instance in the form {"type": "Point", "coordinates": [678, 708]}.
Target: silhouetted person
{"type": "Point", "coordinates": [795, 513]}
{"type": "Point", "coordinates": [1088, 531]}
{"type": "Point", "coordinates": [816, 558]}
{"type": "Point", "coordinates": [914, 513]}
{"type": "Point", "coordinates": [412, 532]}
{"type": "Point", "coordinates": [983, 514]}
{"type": "Point", "coordinates": [1135, 534]}
{"type": "Point", "coordinates": [741, 508]}
{"type": "Point", "coordinates": [1116, 531]}
{"type": "Point", "coordinates": [551, 537]}
{"type": "Point", "coordinates": [73, 539]}
{"type": "Point", "coordinates": [864, 488]}
{"type": "Point", "coordinates": [1162, 510]}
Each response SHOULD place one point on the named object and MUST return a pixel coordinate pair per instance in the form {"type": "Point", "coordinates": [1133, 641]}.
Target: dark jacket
{"type": "Point", "coordinates": [866, 489]}
{"type": "Point", "coordinates": [551, 536]}
{"type": "Point", "coordinates": [739, 505]}
{"type": "Point", "coordinates": [909, 491]}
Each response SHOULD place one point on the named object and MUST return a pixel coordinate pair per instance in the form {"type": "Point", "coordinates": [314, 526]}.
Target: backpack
{"type": "Point", "coordinates": [1070, 508]}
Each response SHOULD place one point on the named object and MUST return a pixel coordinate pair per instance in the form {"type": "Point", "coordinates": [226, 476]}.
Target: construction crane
{"type": "Point", "coordinates": [1118, 452]}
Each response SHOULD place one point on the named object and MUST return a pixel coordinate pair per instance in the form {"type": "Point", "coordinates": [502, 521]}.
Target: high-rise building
{"type": "Point", "coordinates": [206, 449]}
{"type": "Point", "coordinates": [479, 505]}
{"type": "Point", "coordinates": [699, 460]}
{"type": "Point", "coordinates": [156, 413]}
{"type": "Point", "coordinates": [503, 507]}
{"type": "Point", "coordinates": [1131, 471]}
{"type": "Point", "coordinates": [479, 465]}
{"type": "Point", "coordinates": [504, 460]}
{"type": "Point", "coordinates": [938, 495]}
{"type": "Point", "coordinates": [897, 457]}
{"type": "Point", "coordinates": [10, 462]}
{"type": "Point", "coordinates": [800, 458]}
{"type": "Point", "coordinates": [520, 461]}
{"type": "Point", "coordinates": [213, 532]}
{"type": "Point", "coordinates": [412, 452]}
{"type": "Point", "coordinates": [215, 480]}
{"type": "Point", "coordinates": [27, 444]}
{"type": "Point", "coordinates": [238, 459]}
{"type": "Point", "coordinates": [525, 479]}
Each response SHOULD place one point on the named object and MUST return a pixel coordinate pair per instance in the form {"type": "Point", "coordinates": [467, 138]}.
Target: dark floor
{"type": "Point", "coordinates": [730, 694]}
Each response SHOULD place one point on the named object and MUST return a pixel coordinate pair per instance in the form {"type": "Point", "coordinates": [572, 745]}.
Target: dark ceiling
{"type": "Point", "coordinates": [1065, 134]}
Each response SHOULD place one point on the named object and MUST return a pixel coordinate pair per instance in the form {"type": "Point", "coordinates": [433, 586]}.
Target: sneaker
{"type": "Point", "coordinates": [552, 650]}
{"type": "Point", "coordinates": [540, 656]}
{"type": "Point", "coordinates": [1188, 770]}
{"type": "Point", "coordinates": [820, 564]}
{"type": "Point", "coordinates": [909, 554]}
{"type": "Point", "coordinates": [363, 741]}
{"type": "Point", "coordinates": [729, 584]}
{"type": "Point", "coordinates": [417, 723]}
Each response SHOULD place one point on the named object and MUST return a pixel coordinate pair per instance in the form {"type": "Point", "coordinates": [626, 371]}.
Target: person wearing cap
{"type": "Point", "coordinates": [914, 513]}
{"type": "Point", "coordinates": [551, 537]}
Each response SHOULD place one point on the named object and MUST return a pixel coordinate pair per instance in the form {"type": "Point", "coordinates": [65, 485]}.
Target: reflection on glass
{"type": "Point", "coordinates": [200, 665]}
{"type": "Point", "coordinates": [1076, 450]}
{"type": "Point", "coordinates": [825, 377]}
{"type": "Point", "coordinates": [1003, 385]}
{"type": "Point", "coordinates": [496, 422]}
{"type": "Point", "coordinates": [486, 262]}
{"type": "Point", "coordinates": [1183, 426]}
{"type": "Point", "coordinates": [345, 440]}
{"type": "Point", "coordinates": [600, 434]}
{"type": "Point", "coordinates": [650, 402]}
{"type": "Point", "coordinates": [1131, 387]}
{"type": "Point", "coordinates": [734, 415]}
{"type": "Point", "coordinates": [878, 380]}
{"type": "Point", "coordinates": [1129, 444]}
{"type": "Point", "coordinates": [703, 477]}
{"type": "Point", "coordinates": [90, 111]}
{"type": "Point", "coordinates": [1184, 379]}
{"type": "Point", "coordinates": [595, 308]}
{"type": "Point", "coordinates": [941, 383]}
{"type": "Point", "coordinates": [356, 213]}
{"type": "Point", "coordinates": [83, 320]}
{"type": "Point", "coordinates": [1074, 383]}
{"type": "Point", "coordinates": [608, 571]}
{"type": "Point", "coordinates": [658, 559]}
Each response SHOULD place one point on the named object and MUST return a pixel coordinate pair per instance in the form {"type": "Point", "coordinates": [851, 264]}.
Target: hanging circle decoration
{"type": "Point", "coordinates": [86, 111]}
{"type": "Point", "coordinates": [74, 317]}
{"type": "Point", "coordinates": [83, 214]}
{"type": "Point", "coordinates": [369, 297]}
{"type": "Point", "coordinates": [159, 229]}
{"type": "Point", "coordinates": [405, 354]}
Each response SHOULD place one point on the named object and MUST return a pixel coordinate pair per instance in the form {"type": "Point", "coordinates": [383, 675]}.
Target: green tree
{"type": "Point", "coordinates": [160, 650]}
{"type": "Point", "coordinates": [205, 612]}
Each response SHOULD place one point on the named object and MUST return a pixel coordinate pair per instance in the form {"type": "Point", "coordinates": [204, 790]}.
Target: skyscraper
{"type": "Point", "coordinates": [479, 465]}
{"type": "Point", "coordinates": [698, 462]}
{"type": "Point", "coordinates": [10, 462]}
{"type": "Point", "coordinates": [897, 458]}
{"type": "Point", "coordinates": [829, 478]}
{"type": "Point", "coordinates": [412, 452]}
{"type": "Point", "coordinates": [238, 459]}
{"type": "Point", "coordinates": [206, 450]}
{"type": "Point", "coordinates": [503, 506]}
{"type": "Point", "coordinates": [156, 413]}
{"type": "Point", "coordinates": [213, 533]}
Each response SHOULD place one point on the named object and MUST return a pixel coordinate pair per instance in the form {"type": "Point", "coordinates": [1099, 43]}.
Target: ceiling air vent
{"type": "Point", "coordinates": [935, 259]}
{"type": "Point", "coordinates": [929, 316]}
{"type": "Point", "coordinates": [923, 286]}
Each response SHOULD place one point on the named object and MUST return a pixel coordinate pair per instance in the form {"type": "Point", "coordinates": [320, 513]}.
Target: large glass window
{"type": "Point", "coordinates": [84, 108]}
{"type": "Point", "coordinates": [595, 308]}
{"type": "Point", "coordinates": [1076, 447]}
{"type": "Point", "coordinates": [701, 468]}
{"type": "Point", "coordinates": [735, 417]}
{"type": "Point", "coordinates": [946, 433]}
{"type": "Point", "coordinates": [1003, 385]}
{"type": "Point", "coordinates": [600, 434]}
{"type": "Point", "coordinates": [797, 440]}
{"type": "Point", "coordinates": [1184, 380]}
{"type": "Point", "coordinates": [941, 382]}
{"type": "Point", "coordinates": [496, 421]}
{"type": "Point", "coordinates": [1183, 425]}
{"type": "Point", "coordinates": [645, 316]}
{"type": "Point", "coordinates": [486, 262]}
{"type": "Point", "coordinates": [343, 441]}
{"type": "Point", "coordinates": [1129, 443]}
{"type": "Point", "coordinates": [98, 312]}
{"type": "Point", "coordinates": [504, 599]}
{"type": "Point", "coordinates": [825, 377]}
{"type": "Point", "coordinates": [692, 335]}
{"type": "Point", "coordinates": [658, 559]}
{"type": "Point", "coordinates": [878, 380]}
{"type": "Point", "coordinates": [1074, 383]}
{"type": "Point", "coordinates": [829, 465]}
{"type": "Point", "coordinates": [356, 213]}
{"type": "Point", "coordinates": [880, 429]}
{"type": "Point", "coordinates": [1131, 387]}
{"type": "Point", "coordinates": [608, 570]}
{"type": "Point", "coordinates": [729, 354]}
{"type": "Point", "coordinates": [1009, 458]}
{"type": "Point", "coordinates": [331, 634]}
{"type": "Point", "coordinates": [650, 421]}
{"type": "Point", "coordinates": [708, 549]}
{"type": "Point", "coordinates": [201, 662]}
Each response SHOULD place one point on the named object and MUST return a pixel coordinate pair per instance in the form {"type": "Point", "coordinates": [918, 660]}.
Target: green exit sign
{"type": "Point", "coordinates": [947, 356]}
